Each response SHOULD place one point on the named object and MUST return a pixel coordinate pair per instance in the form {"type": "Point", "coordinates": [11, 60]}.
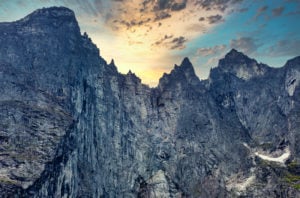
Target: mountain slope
{"type": "Point", "coordinates": [72, 126]}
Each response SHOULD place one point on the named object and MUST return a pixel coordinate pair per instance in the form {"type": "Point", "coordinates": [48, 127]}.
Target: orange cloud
{"type": "Point", "coordinates": [146, 35]}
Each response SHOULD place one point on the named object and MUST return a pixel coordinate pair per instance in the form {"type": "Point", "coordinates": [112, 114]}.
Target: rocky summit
{"type": "Point", "coordinates": [72, 126]}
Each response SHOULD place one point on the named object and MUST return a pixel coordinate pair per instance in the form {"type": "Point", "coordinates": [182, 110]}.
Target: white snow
{"type": "Point", "coordinates": [160, 186]}
{"type": "Point", "coordinates": [240, 183]}
{"type": "Point", "coordinates": [281, 159]}
{"type": "Point", "coordinates": [245, 183]}
{"type": "Point", "coordinates": [243, 73]}
{"type": "Point", "coordinates": [246, 145]}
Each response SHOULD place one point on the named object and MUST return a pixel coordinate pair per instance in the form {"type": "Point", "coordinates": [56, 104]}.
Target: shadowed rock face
{"type": "Point", "coordinates": [72, 126]}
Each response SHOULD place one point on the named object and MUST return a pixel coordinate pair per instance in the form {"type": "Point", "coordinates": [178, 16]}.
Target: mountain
{"type": "Point", "coordinates": [72, 126]}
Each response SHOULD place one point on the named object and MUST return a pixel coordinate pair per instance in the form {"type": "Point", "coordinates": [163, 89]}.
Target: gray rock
{"type": "Point", "coordinates": [72, 126]}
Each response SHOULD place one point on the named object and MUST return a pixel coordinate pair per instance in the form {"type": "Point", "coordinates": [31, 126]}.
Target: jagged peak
{"type": "Point", "coordinates": [55, 16]}
{"type": "Point", "coordinates": [183, 73]}
{"type": "Point", "coordinates": [132, 77]}
{"type": "Point", "coordinates": [85, 35]}
{"type": "Point", "coordinates": [233, 52]}
{"type": "Point", "coordinates": [112, 63]}
{"type": "Point", "coordinates": [186, 62]}
{"type": "Point", "coordinates": [235, 57]}
{"type": "Point", "coordinates": [294, 62]}
{"type": "Point", "coordinates": [52, 11]}
{"type": "Point", "coordinates": [184, 67]}
{"type": "Point", "coordinates": [240, 65]}
{"type": "Point", "coordinates": [130, 72]}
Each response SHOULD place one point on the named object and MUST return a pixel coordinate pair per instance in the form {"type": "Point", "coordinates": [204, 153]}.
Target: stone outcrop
{"type": "Point", "coordinates": [72, 126]}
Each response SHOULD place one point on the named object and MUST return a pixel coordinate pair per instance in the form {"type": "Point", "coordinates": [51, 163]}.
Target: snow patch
{"type": "Point", "coordinates": [158, 178]}
{"type": "Point", "coordinates": [239, 183]}
{"type": "Point", "coordinates": [159, 185]}
{"type": "Point", "coordinates": [243, 73]}
{"type": "Point", "coordinates": [281, 159]}
{"type": "Point", "coordinates": [245, 183]}
{"type": "Point", "coordinates": [246, 145]}
{"type": "Point", "coordinates": [246, 72]}
{"type": "Point", "coordinates": [269, 157]}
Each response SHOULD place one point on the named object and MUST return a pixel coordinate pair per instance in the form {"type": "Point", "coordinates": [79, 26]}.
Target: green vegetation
{"type": "Point", "coordinates": [293, 180]}
{"type": "Point", "coordinates": [5, 180]}
{"type": "Point", "coordinates": [293, 165]}
{"type": "Point", "coordinates": [296, 186]}
{"type": "Point", "coordinates": [289, 175]}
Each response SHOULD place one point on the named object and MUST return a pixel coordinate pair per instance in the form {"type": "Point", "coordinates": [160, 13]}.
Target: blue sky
{"type": "Point", "coordinates": [265, 30]}
{"type": "Point", "coordinates": [150, 36]}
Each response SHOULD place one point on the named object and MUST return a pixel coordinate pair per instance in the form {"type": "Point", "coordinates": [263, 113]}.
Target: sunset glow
{"type": "Point", "coordinates": [149, 36]}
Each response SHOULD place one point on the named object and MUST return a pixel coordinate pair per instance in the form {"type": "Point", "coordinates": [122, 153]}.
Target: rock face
{"type": "Point", "coordinates": [72, 126]}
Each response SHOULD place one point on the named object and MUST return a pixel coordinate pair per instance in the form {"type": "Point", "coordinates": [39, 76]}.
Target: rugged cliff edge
{"type": "Point", "coordinates": [72, 126]}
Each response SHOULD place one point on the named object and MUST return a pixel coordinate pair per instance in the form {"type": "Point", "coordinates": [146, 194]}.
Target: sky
{"type": "Point", "coordinates": [149, 36]}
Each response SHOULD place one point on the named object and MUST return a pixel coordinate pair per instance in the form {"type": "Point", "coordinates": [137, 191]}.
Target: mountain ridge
{"type": "Point", "coordinates": [72, 126]}
{"type": "Point", "coordinates": [60, 12]}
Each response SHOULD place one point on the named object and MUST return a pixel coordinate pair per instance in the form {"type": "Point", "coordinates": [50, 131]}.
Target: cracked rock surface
{"type": "Point", "coordinates": [72, 126]}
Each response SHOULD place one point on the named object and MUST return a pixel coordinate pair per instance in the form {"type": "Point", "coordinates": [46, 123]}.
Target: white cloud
{"type": "Point", "coordinates": [209, 51]}
{"type": "Point", "coordinates": [246, 45]}
{"type": "Point", "coordinates": [285, 48]}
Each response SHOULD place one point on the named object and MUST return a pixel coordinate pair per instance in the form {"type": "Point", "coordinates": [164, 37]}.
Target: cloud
{"type": "Point", "coordinates": [196, 28]}
{"type": "Point", "coordinates": [132, 23]}
{"type": "Point", "coordinates": [220, 5]}
{"type": "Point", "coordinates": [214, 19]}
{"type": "Point", "coordinates": [161, 41]}
{"type": "Point", "coordinates": [277, 11]}
{"type": "Point", "coordinates": [163, 4]}
{"type": "Point", "coordinates": [294, 13]}
{"type": "Point", "coordinates": [244, 44]}
{"type": "Point", "coordinates": [178, 43]}
{"type": "Point", "coordinates": [179, 6]}
{"type": "Point", "coordinates": [171, 43]}
{"type": "Point", "coordinates": [92, 8]}
{"type": "Point", "coordinates": [260, 11]}
{"type": "Point", "coordinates": [296, 5]}
{"type": "Point", "coordinates": [213, 4]}
{"type": "Point", "coordinates": [208, 57]}
{"type": "Point", "coordinates": [161, 16]}
{"type": "Point", "coordinates": [210, 51]}
{"type": "Point", "coordinates": [285, 48]}
{"type": "Point", "coordinates": [142, 33]}
{"type": "Point", "coordinates": [168, 5]}
{"type": "Point", "coordinates": [157, 29]}
{"type": "Point", "coordinates": [243, 10]}
{"type": "Point", "coordinates": [127, 14]}
{"type": "Point", "coordinates": [144, 17]}
{"type": "Point", "coordinates": [201, 19]}
{"type": "Point", "coordinates": [292, 1]}
{"type": "Point", "coordinates": [212, 62]}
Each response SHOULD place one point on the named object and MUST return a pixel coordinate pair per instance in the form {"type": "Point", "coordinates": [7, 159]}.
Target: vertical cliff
{"type": "Point", "coordinates": [72, 126]}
